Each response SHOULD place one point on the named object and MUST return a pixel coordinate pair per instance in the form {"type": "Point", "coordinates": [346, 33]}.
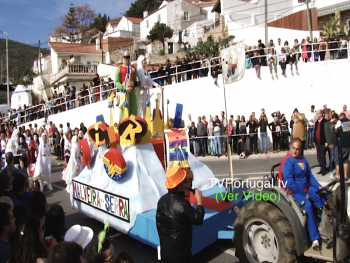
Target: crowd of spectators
{"type": "Point", "coordinates": [31, 230]}
{"type": "Point", "coordinates": [250, 136]}
{"type": "Point", "coordinates": [286, 54]}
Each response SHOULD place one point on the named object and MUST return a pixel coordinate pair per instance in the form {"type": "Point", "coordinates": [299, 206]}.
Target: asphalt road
{"type": "Point", "coordinates": [253, 167]}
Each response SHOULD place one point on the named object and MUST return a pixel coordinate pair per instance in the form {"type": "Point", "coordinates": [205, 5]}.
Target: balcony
{"type": "Point", "coordinates": [73, 71]}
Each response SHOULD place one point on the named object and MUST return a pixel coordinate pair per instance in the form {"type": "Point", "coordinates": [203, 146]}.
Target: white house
{"type": "Point", "coordinates": [178, 15]}
{"type": "Point", "coordinates": [245, 19]}
{"type": "Point", "coordinates": [86, 59]}
{"type": "Point", "coordinates": [45, 62]}
{"type": "Point", "coordinates": [124, 26]}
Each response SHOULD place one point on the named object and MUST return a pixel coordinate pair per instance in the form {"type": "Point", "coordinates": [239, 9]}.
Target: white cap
{"type": "Point", "coordinates": [82, 235]}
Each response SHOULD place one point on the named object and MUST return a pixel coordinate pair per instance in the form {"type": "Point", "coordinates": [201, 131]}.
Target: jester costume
{"type": "Point", "coordinates": [126, 76]}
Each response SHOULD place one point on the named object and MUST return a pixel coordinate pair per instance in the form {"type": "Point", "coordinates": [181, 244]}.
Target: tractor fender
{"type": "Point", "coordinates": [294, 214]}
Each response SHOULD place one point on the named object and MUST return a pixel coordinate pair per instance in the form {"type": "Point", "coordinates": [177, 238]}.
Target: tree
{"type": "Point", "coordinates": [76, 23]}
{"type": "Point", "coordinates": [136, 9]}
{"type": "Point", "coordinates": [332, 25]}
{"type": "Point", "coordinates": [100, 22]}
{"type": "Point", "coordinates": [86, 16]}
{"type": "Point", "coordinates": [160, 32]}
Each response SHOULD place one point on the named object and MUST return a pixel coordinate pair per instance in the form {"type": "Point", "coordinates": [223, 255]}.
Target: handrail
{"type": "Point", "coordinates": [92, 95]}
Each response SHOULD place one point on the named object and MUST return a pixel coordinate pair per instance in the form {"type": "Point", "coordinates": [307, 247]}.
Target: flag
{"type": "Point", "coordinates": [233, 62]}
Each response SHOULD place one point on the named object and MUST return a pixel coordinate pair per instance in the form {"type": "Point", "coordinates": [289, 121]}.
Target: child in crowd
{"type": "Point", "coordinates": [283, 61]}
{"type": "Point", "coordinates": [256, 63]}
{"type": "Point", "coordinates": [292, 59]}
{"type": "Point", "coordinates": [272, 61]}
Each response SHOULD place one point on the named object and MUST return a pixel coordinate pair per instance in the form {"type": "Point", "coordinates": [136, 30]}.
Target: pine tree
{"type": "Point", "coordinates": [71, 24]}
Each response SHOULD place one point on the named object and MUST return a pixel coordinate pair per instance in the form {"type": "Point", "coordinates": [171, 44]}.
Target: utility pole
{"type": "Point", "coordinates": [309, 19]}
{"type": "Point", "coordinates": [266, 25]}
{"type": "Point", "coordinates": [39, 60]}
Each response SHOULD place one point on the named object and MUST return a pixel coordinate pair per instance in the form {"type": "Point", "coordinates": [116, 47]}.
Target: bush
{"type": "Point", "coordinates": [161, 52]}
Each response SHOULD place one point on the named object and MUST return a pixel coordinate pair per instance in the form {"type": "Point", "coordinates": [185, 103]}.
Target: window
{"type": "Point", "coordinates": [186, 16]}
{"type": "Point", "coordinates": [147, 23]}
{"type": "Point", "coordinates": [158, 18]}
{"type": "Point", "coordinates": [185, 33]}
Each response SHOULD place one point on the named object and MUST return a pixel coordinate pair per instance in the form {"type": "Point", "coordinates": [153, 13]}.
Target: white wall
{"type": "Point", "coordinates": [54, 60]}
{"type": "Point", "coordinates": [317, 83]}
{"type": "Point", "coordinates": [152, 19]}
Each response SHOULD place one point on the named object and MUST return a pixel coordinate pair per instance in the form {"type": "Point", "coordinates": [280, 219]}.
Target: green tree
{"type": "Point", "coordinates": [160, 32]}
{"type": "Point", "coordinates": [210, 46]}
{"type": "Point", "coordinates": [100, 22]}
{"type": "Point", "coordinates": [136, 9]}
{"type": "Point", "coordinates": [332, 25]}
{"type": "Point", "coordinates": [76, 24]}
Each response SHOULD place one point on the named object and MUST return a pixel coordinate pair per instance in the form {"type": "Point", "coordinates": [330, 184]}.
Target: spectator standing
{"type": "Point", "coordinates": [253, 136]}
{"type": "Point", "coordinates": [177, 65]}
{"type": "Point", "coordinates": [97, 88]}
{"type": "Point", "coordinates": [332, 140]}
{"type": "Point", "coordinates": [248, 61]}
{"type": "Point", "coordinates": [296, 47]}
{"type": "Point", "coordinates": [192, 134]}
{"type": "Point", "coordinates": [261, 47]}
{"type": "Point", "coordinates": [201, 133]}
{"type": "Point", "coordinates": [333, 46]}
{"type": "Point", "coordinates": [292, 59]}
{"type": "Point", "coordinates": [73, 97]}
{"type": "Point", "coordinates": [283, 61]}
{"type": "Point", "coordinates": [256, 63]}
{"type": "Point", "coordinates": [323, 46]}
{"type": "Point", "coordinates": [345, 111]}
{"type": "Point", "coordinates": [316, 48]}
{"type": "Point", "coordinates": [311, 120]}
{"type": "Point", "coordinates": [217, 132]}
{"type": "Point", "coordinates": [279, 46]}
{"type": "Point", "coordinates": [343, 53]}
{"type": "Point", "coordinates": [263, 123]}
{"type": "Point", "coordinates": [211, 142]}
{"type": "Point", "coordinates": [168, 72]}
{"type": "Point", "coordinates": [304, 49]}
{"type": "Point", "coordinates": [161, 74]}
{"type": "Point", "coordinates": [320, 141]}
{"type": "Point", "coordinates": [275, 128]}
{"type": "Point", "coordinates": [272, 62]}
{"type": "Point", "coordinates": [271, 45]}
{"type": "Point", "coordinates": [345, 144]}
{"type": "Point", "coordinates": [286, 47]}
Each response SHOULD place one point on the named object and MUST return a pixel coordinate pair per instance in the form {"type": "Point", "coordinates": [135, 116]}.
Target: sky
{"type": "Point", "coordinates": [29, 21]}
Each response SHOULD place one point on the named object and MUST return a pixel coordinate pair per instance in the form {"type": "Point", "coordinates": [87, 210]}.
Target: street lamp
{"type": "Point", "coordinates": [7, 67]}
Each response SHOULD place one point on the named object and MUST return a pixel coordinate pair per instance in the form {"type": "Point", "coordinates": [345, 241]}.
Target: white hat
{"type": "Point", "coordinates": [82, 235]}
{"type": "Point", "coordinates": [343, 43]}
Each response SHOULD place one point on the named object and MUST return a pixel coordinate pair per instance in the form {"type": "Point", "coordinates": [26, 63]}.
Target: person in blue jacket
{"type": "Point", "coordinates": [302, 184]}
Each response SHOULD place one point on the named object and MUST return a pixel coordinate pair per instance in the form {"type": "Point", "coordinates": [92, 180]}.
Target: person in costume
{"type": "Point", "coordinates": [74, 166]}
{"type": "Point", "coordinates": [125, 80]}
{"type": "Point", "coordinates": [146, 82]}
{"type": "Point", "coordinates": [43, 163]}
{"type": "Point", "coordinates": [32, 154]}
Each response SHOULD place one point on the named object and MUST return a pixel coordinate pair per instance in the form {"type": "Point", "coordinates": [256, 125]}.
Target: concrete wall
{"type": "Point", "coordinates": [147, 24]}
{"type": "Point", "coordinates": [317, 83]}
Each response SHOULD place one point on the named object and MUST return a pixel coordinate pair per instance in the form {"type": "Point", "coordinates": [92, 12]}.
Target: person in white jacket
{"type": "Point", "coordinates": [43, 163]}
{"type": "Point", "coordinates": [146, 82]}
{"type": "Point", "coordinates": [74, 166]}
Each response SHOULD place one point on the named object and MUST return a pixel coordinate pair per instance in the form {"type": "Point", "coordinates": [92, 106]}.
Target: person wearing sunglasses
{"type": "Point", "coordinates": [175, 217]}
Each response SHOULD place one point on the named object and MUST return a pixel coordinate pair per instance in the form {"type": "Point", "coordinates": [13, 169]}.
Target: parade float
{"type": "Point", "coordinates": [124, 177]}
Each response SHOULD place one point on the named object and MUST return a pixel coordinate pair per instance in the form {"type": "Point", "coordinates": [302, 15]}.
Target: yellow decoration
{"type": "Point", "coordinates": [110, 100]}
{"type": "Point", "coordinates": [131, 131]}
{"type": "Point", "coordinates": [147, 138]}
{"type": "Point", "coordinates": [166, 124]}
{"type": "Point", "coordinates": [97, 135]}
{"type": "Point", "coordinates": [112, 168]}
{"type": "Point", "coordinates": [157, 124]}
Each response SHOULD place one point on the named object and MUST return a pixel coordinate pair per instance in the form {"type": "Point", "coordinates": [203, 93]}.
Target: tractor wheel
{"type": "Point", "coordinates": [263, 234]}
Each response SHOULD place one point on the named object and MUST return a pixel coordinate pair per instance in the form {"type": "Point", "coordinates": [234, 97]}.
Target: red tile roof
{"type": "Point", "coordinates": [116, 43]}
{"type": "Point", "coordinates": [74, 48]}
{"type": "Point", "coordinates": [134, 20]}
{"type": "Point", "coordinates": [115, 20]}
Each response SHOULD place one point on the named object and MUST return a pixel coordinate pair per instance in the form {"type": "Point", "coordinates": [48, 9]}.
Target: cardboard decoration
{"type": "Point", "coordinates": [84, 147]}
{"type": "Point", "coordinates": [98, 133]}
{"type": "Point", "coordinates": [132, 129]}
{"type": "Point", "coordinates": [114, 164]}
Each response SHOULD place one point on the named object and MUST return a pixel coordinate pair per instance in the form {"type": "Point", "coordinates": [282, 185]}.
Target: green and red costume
{"type": "Point", "coordinates": [127, 76]}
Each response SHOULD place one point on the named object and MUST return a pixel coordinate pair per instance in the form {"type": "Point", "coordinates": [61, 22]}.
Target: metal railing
{"type": "Point", "coordinates": [101, 92]}
{"type": "Point", "coordinates": [75, 68]}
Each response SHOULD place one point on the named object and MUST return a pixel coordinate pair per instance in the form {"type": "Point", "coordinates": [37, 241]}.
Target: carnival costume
{"type": "Point", "coordinates": [74, 166]}
{"type": "Point", "coordinates": [145, 80]}
{"type": "Point", "coordinates": [43, 164]}
{"type": "Point", "coordinates": [126, 76]}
